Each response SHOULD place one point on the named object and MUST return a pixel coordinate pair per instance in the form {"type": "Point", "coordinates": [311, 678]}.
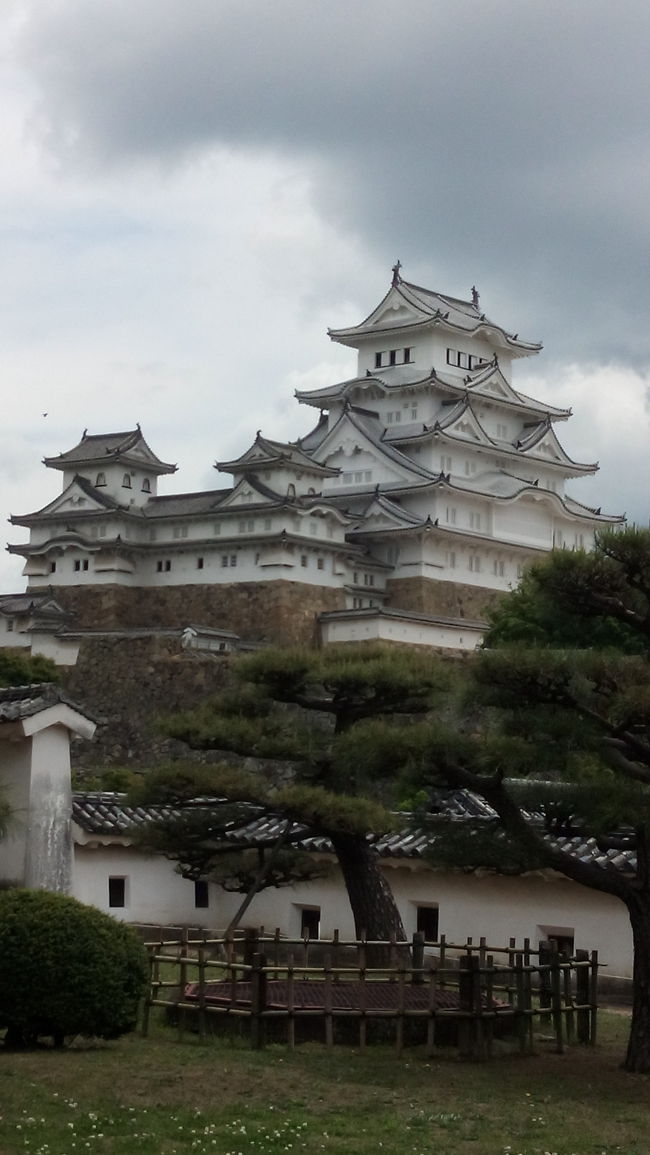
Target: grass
{"type": "Point", "coordinates": [164, 1097]}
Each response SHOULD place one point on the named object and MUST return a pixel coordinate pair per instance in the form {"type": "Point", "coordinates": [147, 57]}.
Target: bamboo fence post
{"type": "Point", "coordinates": [567, 991]}
{"type": "Point", "coordinates": [146, 1008]}
{"type": "Point", "coordinates": [361, 962]}
{"type": "Point", "coordinates": [511, 964]}
{"type": "Point", "coordinates": [431, 1022]}
{"type": "Point", "coordinates": [488, 1026]}
{"type": "Point", "coordinates": [582, 996]}
{"type": "Point", "coordinates": [417, 958]}
{"type": "Point", "coordinates": [520, 1001]}
{"type": "Point", "coordinates": [258, 1000]}
{"type": "Point", "coordinates": [401, 1006]}
{"type": "Point", "coordinates": [202, 1022]}
{"type": "Point", "coordinates": [328, 1001]}
{"type": "Point", "coordinates": [468, 974]}
{"type": "Point", "coordinates": [184, 950]}
{"type": "Point", "coordinates": [482, 949]}
{"type": "Point", "coordinates": [336, 954]}
{"type": "Point", "coordinates": [593, 998]}
{"type": "Point", "coordinates": [545, 955]}
{"type": "Point", "coordinates": [291, 1006]}
{"type": "Point", "coordinates": [556, 1001]}
{"type": "Point", "coordinates": [443, 954]}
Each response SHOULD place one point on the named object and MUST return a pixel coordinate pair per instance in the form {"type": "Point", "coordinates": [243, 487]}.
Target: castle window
{"type": "Point", "coordinates": [355, 579]}
{"type": "Point", "coordinates": [52, 567]}
{"type": "Point", "coordinates": [347, 478]}
{"type": "Point", "coordinates": [164, 565]}
{"type": "Point", "coordinates": [320, 563]}
{"type": "Point", "coordinates": [247, 525]}
{"type": "Point", "coordinates": [470, 468]}
{"type": "Point", "coordinates": [310, 921]}
{"type": "Point", "coordinates": [445, 463]}
{"type": "Point", "coordinates": [407, 356]}
{"type": "Point", "coordinates": [216, 528]}
{"type": "Point", "coordinates": [303, 560]}
{"type": "Point", "coordinates": [475, 521]}
{"type": "Point", "coordinates": [146, 485]}
{"type": "Point", "coordinates": [224, 560]}
{"type": "Point", "coordinates": [100, 479]}
{"type": "Point", "coordinates": [233, 559]}
{"type": "Point", "coordinates": [499, 569]}
{"type": "Point", "coordinates": [450, 559]}
{"type": "Point", "coordinates": [102, 531]}
{"type": "Point", "coordinates": [199, 563]}
{"type": "Point", "coordinates": [126, 481]}
{"type": "Point", "coordinates": [291, 490]}
{"type": "Point", "coordinates": [81, 564]}
{"type": "Point", "coordinates": [117, 891]}
{"type": "Point", "coordinates": [414, 412]}
{"type": "Point", "coordinates": [502, 432]}
{"type": "Point", "coordinates": [393, 357]}
{"type": "Point", "coordinates": [474, 563]}
{"type": "Point", "coordinates": [368, 579]}
{"type": "Point", "coordinates": [201, 893]}
{"type": "Point", "coordinates": [10, 625]}
{"type": "Point", "coordinates": [367, 475]}
{"type": "Point", "coordinates": [267, 522]}
{"type": "Point", "coordinates": [180, 531]}
{"type": "Point", "coordinates": [450, 515]}
{"type": "Point", "coordinates": [427, 922]}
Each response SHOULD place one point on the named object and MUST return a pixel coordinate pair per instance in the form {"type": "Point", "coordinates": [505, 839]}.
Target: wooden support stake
{"type": "Point", "coordinates": [583, 1013]}
{"type": "Point", "coordinates": [258, 1000]}
{"type": "Point", "coordinates": [329, 1020]}
{"type": "Point", "coordinates": [556, 1001]}
{"type": "Point", "coordinates": [291, 1006]}
{"type": "Point", "coordinates": [202, 1017]}
{"type": "Point", "coordinates": [417, 972]}
{"type": "Point", "coordinates": [593, 998]}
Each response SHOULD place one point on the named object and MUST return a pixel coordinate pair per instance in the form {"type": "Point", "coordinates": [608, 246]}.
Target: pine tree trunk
{"type": "Point", "coordinates": [638, 1048]}
{"type": "Point", "coordinates": [373, 906]}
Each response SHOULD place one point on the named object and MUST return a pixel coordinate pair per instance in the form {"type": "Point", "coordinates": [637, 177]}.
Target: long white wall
{"type": "Point", "coordinates": [496, 907]}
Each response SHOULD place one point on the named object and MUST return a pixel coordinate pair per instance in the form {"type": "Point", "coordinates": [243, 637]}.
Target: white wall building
{"type": "Point", "coordinates": [426, 471]}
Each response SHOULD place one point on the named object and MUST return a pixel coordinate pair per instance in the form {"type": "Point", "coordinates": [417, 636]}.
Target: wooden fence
{"type": "Point", "coordinates": [432, 993]}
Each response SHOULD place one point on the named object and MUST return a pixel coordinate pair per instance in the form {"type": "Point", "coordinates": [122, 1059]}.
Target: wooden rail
{"type": "Point", "coordinates": [432, 993]}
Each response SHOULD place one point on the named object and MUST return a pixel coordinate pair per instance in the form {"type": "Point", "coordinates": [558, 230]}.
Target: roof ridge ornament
{"type": "Point", "coordinates": [475, 296]}
{"type": "Point", "coordinates": [395, 271]}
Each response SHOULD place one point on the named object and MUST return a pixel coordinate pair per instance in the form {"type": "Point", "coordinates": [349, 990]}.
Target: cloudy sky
{"type": "Point", "coordinates": [191, 191]}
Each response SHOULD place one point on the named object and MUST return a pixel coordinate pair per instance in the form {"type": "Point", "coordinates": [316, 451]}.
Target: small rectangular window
{"type": "Point", "coordinates": [224, 560]}
{"type": "Point", "coordinates": [199, 563]}
{"type": "Point", "coordinates": [77, 566]}
{"type": "Point", "coordinates": [117, 892]}
{"type": "Point", "coordinates": [201, 893]}
{"type": "Point", "coordinates": [52, 567]}
{"type": "Point", "coordinates": [168, 566]}
{"type": "Point", "coordinates": [407, 356]}
{"type": "Point", "coordinates": [216, 528]}
{"type": "Point", "coordinates": [427, 922]}
{"type": "Point", "coordinates": [377, 360]}
{"type": "Point", "coordinates": [10, 625]}
{"type": "Point", "coordinates": [267, 522]}
{"type": "Point", "coordinates": [389, 418]}
{"type": "Point", "coordinates": [303, 560]}
{"type": "Point", "coordinates": [233, 559]}
{"type": "Point", "coordinates": [159, 567]}
{"type": "Point", "coordinates": [310, 921]}
{"type": "Point", "coordinates": [392, 356]}
{"type": "Point", "coordinates": [320, 563]}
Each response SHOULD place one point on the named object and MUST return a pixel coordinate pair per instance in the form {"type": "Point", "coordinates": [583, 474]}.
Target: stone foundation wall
{"type": "Point", "coordinates": [126, 684]}
{"type": "Point", "coordinates": [277, 611]}
{"type": "Point", "coordinates": [446, 599]}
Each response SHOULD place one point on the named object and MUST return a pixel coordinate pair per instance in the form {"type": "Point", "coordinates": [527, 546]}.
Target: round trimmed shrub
{"type": "Point", "coordinates": [66, 969]}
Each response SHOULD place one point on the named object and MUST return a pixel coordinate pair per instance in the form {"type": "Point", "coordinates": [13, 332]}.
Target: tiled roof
{"type": "Point", "coordinates": [108, 814]}
{"type": "Point", "coordinates": [18, 702]}
{"type": "Point", "coordinates": [104, 447]}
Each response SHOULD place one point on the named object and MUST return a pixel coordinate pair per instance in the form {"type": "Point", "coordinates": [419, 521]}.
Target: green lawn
{"type": "Point", "coordinates": [170, 1098]}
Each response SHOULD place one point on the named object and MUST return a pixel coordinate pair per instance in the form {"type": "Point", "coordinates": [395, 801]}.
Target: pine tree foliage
{"type": "Point", "coordinates": [326, 731]}
{"type": "Point", "coordinates": [561, 741]}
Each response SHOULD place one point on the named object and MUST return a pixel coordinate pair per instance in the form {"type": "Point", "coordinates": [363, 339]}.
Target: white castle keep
{"type": "Point", "coordinates": [426, 485]}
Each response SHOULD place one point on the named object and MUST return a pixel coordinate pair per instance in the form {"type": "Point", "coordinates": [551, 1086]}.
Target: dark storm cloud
{"type": "Point", "coordinates": [494, 141]}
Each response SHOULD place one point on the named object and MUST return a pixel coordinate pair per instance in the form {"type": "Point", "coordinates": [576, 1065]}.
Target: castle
{"type": "Point", "coordinates": [425, 486]}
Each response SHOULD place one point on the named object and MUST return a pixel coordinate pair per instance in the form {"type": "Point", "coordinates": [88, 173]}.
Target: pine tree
{"type": "Point", "coordinates": [566, 734]}
{"type": "Point", "coordinates": [317, 725]}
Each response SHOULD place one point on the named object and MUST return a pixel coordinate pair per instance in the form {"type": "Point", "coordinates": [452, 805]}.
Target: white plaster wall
{"type": "Point", "coordinates": [395, 630]}
{"type": "Point", "coordinates": [469, 905]}
{"type": "Point", "coordinates": [49, 845]}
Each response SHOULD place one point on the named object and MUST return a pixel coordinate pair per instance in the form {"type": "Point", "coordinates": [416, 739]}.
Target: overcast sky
{"type": "Point", "coordinates": [191, 191]}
